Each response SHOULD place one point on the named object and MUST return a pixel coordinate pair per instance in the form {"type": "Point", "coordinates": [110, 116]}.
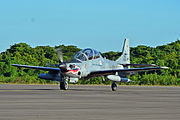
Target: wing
{"type": "Point", "coordinates": [140, 65]}
{"type": "Point", "coordinates": [38, 67]}
{"type": "Point", "coordinates": [113, 71]}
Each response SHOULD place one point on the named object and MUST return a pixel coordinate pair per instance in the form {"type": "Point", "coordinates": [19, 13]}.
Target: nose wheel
{"type": "Point", "coordinates": [114, 86]}
{"type": "Point", "coordinates": [64, 85]}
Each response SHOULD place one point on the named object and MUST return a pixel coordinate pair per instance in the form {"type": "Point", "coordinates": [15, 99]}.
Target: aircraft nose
{"type": "Point", "coordinates": [73, 70]}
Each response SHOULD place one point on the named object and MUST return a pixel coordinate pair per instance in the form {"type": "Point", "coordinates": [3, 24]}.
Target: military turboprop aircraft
{"type": "Point", "coordinates": [89, 63]}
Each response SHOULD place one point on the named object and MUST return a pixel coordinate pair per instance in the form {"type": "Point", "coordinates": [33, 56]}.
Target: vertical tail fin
{"type": "Point", "coordinates": [125, 57]}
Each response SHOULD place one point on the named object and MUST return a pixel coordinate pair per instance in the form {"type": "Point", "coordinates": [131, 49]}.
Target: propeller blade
{"type": "Point", "coordinates": [51, 65]}
{"type": "Point", "coordinates": [59, 54]}
{"type": "Point", "coordinates": [62, 64]}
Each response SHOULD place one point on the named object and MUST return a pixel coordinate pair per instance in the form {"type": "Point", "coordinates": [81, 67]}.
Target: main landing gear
{"type": "Point", "coordinates": [114, 86]}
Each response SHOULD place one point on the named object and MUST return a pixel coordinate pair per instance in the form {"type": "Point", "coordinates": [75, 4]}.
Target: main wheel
{"type": "Point", "coordinates": [64, 85]}
{"type": "Point", "coordinates": [114, 86]}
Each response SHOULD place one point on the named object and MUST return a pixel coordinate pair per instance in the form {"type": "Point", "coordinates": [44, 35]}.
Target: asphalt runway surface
{"type": "Point", "coordinates": [47, 102]}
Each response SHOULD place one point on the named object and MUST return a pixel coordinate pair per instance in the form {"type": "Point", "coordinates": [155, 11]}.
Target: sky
{"type": "Point", "coordinates": [99, 24]}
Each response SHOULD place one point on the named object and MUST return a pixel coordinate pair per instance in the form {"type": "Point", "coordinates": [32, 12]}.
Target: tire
{"type": "Point", "coordinates": [63, 85]}
{"type": "Point", "coordinates": [114, 86]}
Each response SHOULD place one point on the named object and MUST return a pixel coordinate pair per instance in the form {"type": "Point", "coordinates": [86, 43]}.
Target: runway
{"type": "Point", "coordinates": [47, 102]}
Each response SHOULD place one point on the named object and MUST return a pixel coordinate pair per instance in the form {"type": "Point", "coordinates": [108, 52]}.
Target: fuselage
{"type": "Point", "coordinates": [83, 68]}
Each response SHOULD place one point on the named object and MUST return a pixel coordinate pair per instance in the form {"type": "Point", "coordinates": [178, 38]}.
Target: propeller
{"type": "Point", "coordinates": [59, 54]}
{"type": "Point", "coordinates": [62, 64]}
{"type": "Point", "coordinates": [51, 65]}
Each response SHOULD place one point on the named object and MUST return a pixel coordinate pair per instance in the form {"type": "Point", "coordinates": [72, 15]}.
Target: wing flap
{"type": "Point", "coordinates": [107, 72]}
{"type": "Point", "coordinates": [140, 65]}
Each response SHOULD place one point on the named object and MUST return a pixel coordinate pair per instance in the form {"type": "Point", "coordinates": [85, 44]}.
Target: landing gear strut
{"type": "Point", "coordinates": [114, 86]}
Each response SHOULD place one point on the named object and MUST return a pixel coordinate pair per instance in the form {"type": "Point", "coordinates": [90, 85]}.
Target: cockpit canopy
{"type": "Point", "coordinates": [87, 54]}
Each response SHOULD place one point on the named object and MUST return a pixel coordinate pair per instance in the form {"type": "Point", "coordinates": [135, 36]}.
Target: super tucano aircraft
{"type": "Point", "coordinates": [89, 63]}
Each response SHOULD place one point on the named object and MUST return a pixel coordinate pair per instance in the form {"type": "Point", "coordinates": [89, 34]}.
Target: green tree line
{"type": "Point", "coordinates": [22, 53]}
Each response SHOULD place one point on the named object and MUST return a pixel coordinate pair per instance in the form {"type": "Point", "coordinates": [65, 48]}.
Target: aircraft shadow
{"type": "Point", "coordinates": [26, 89]}
{"type": "Point", "coordinates": [100, 90]}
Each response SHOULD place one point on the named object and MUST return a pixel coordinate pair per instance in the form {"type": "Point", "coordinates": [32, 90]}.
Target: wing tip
{"type": "Point", "coordinates": [164, 67]}
{"type": "Point", "coordinates": [14, 64]}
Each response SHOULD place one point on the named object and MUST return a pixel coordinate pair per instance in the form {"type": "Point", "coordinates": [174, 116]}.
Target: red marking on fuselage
{"type": "Point", "coordinates": [73, 71]}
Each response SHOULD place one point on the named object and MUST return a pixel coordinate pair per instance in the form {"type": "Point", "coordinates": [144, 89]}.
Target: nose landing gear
{"type": "Point", "coordinates": [64, 84]}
